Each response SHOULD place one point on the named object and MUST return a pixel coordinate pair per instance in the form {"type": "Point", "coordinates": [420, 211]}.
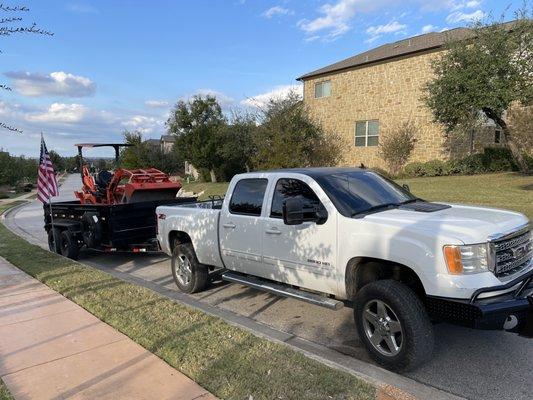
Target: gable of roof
{"type": "Point", "coordinates": [428, 41]}
{"type": "Point", "coordinates": [168, 138]}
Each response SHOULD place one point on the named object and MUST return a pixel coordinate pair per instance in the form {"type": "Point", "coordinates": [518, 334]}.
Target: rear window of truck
{"type": "Point", "coordinates": [247, 197]}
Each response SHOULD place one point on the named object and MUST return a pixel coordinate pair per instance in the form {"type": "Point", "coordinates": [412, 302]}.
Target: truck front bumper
{"type": "Point", "coordinates": [511, 310]}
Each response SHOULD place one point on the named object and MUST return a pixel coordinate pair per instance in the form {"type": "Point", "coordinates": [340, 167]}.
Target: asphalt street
{"type": "Point", "coordinates": [466, 362]}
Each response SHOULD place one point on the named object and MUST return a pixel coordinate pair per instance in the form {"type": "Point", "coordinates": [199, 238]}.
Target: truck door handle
{"type": "Point", "coordinates": [229, 225]}
{"type": "Point", "coordinates": [273, 231]}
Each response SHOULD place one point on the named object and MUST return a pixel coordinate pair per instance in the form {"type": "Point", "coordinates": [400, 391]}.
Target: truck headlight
{"type": "Point", "coordinates": [468, 259]}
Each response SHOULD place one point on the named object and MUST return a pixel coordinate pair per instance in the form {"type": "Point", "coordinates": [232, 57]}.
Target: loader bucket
{"type": "Point", "coordinates": [137, 192]}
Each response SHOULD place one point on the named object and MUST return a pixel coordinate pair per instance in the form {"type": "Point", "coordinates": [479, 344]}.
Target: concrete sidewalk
{"type": "Point", "coordinates": [50, 348]}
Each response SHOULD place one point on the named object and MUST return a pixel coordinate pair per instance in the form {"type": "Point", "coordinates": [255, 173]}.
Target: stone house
{"type": "Point", "coordinates": [367, 96]}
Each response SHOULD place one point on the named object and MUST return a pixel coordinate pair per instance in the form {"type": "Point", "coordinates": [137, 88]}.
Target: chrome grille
{"type": "Point", "coordinates": [512, 254]}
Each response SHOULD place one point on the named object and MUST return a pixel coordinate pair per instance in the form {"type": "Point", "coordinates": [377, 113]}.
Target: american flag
{"type": "Point", "coordinates": [46, 180]}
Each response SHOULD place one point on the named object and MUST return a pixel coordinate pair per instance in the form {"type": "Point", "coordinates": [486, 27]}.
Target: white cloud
{"type": "Point", "coordinates": [81, 7]}
{"type": "Point", "coordinates": [278, 92]}
{"type": "Point", "coordinates": [156, 103]}
{"type": "Point", "coordinates": [335, 18]}
{"type": "Point", "coordinates": [54, 84]}
{"type": "Point", "coordinates": [459, 16]}
{"type": "Point", "coordinates": [277, 10]}
{"type": "Point", "coordinates": [142, 123]}
{"type": "Point", "coordinates": [453, 5]}
{"type": "Point", "coordinates": [60, 113]}
{"type": "Point", "coordinates": [223, 99]}
{"type": "Point", "coordinates": [378, 31]}
{"type": "Point", "coordinates": [391, 27]}
{"type": "Point", "coordinates": [429, 28]}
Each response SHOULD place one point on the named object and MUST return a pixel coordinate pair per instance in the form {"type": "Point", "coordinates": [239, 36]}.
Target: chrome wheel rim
{"type": "Point", "coordinates": [183, 270]}
{"type": "Point", "coordinates": [382, 328]}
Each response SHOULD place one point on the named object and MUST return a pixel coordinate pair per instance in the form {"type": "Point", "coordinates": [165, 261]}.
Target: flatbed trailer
{"type": "Point", "coordinates": [127, 227]}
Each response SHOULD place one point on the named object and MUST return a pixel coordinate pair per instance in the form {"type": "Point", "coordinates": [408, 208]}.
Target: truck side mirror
{"type": "Point", "coordinates": [406, 187]}
{"type": "Point", "coordinates": [293, 211]}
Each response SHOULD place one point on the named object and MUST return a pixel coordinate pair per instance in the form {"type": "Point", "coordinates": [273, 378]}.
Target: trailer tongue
{"type": "Point", "coordinates": [114, 211]}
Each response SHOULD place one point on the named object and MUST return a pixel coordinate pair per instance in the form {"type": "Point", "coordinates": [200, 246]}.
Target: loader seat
{"type": "Point", "coordinates": [102, 180]}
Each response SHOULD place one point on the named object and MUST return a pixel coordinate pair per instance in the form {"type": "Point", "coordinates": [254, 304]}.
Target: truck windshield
{"type": "Point", "coordinates": [357, 192]}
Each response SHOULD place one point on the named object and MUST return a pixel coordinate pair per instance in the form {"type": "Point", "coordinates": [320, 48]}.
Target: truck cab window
{"type": "Point", "coordinates": [289, 188]}
{"type": "Point", "coordinates": [248, 196]}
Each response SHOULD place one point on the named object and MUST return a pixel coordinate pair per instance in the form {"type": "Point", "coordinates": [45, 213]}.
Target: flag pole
{"type": "Point", "coordinates": [54, 234]}
{"type": "Point", "coordinates": [56, 243]}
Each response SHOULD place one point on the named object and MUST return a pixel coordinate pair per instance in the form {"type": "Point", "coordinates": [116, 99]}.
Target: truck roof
{"type": "Point", "coordinates": [317, 171]}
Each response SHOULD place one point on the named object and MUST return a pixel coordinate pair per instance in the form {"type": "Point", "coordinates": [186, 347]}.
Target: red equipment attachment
{"type": "Point", "coordinates": [124, 186]}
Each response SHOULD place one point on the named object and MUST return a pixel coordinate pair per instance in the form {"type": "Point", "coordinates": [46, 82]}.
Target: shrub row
{"type": "Point", "coordinates": [491, 160]}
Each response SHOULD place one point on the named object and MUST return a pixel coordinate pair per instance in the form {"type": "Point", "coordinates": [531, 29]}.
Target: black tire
{"type": "Point", "coordinates": [196, 277]}
{"type": "Point", "coordinates": [413, 344]}
{"type": "Point", "coordinates": [54, 240]}
{"type": "Point", "coordinates": [69, 245]}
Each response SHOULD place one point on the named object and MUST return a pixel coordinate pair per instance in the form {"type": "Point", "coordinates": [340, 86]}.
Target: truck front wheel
{"type": "Point", "coordinates": [393, 325]}
{"type": "Point", "coordinates": [190, 276]}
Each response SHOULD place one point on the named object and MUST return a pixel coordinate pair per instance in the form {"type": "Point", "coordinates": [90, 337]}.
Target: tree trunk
{"type": "Point", "coordinates": [509, 140]}
{"type": "Point", "coordinates": [213, 176]}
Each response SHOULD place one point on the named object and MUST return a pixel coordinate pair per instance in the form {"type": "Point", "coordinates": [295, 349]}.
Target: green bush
{"type": "Point", "coordinates": [498, 159]}
{"type": "Point", "coordinates": [414, 169]}
{"type": "Point", "coordinates": [491, 160]}
{"type": "Point", "coordinates": [4, 196]}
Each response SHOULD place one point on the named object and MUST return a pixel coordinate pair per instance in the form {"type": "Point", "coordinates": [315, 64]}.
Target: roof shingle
{"type": "Point", "coordinates": [388, 51]}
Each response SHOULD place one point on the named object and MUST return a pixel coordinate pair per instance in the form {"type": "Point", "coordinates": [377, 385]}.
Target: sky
{"type": "Point", "coordinates": [114, 65]}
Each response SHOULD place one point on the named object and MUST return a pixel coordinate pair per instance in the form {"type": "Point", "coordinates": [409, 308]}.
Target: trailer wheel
{"type": "Point", "coordinates": [54, 240]}
{"type": "Point", "coordinates": [190, 276]}
{"type": "Point", "coordinates": [69, 245]}
{"type": "Point", "coordinates": [393, 325]}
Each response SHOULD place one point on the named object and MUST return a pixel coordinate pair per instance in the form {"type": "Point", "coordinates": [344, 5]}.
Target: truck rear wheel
{"type": "Point", "coordinates": [69, 245]}
{"type": "Point", "coordinates": [190, 276]}
{"type": "Point", "coordinates": [54, 240]}
{"type": "Point", "coordinates": [393, 325]}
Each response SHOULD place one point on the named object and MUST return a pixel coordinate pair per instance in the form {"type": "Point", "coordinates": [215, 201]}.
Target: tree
{"type": "Point", "coordinates": [57, 161]}
{"type": "Point", "coordinates": [396, 147]}
{"type": "Point", "coordinates": [145, 155]}
{"type": "Point", "coordinates": [11, 21]}
{"type": "Point", "coordinates": [196, 124]}
{"type": "Point", "coordinates": [485, 74]}
{"type": "Point", "coordinates": [14, 170]}
{"type": "Point", "coordinates": [132, 157]}
{"type": "Point", "coordinates": [236, 145]}
{"type": "Point", "coordinates": [288, 137]}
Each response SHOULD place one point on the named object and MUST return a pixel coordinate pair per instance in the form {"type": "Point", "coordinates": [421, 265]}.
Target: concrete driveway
{"type": "Point", "coordinates": [467, 363]}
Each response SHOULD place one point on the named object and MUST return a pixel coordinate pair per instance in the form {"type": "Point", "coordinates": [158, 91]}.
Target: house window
{"type": "Point", "coordinates": [497, 136]}
{"type": "Point", "coordinates": [366, 133]}
{"type": "Point", "coordinates": [322, 89]}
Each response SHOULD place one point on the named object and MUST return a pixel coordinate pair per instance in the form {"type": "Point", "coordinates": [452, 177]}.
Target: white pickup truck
{"type": "Point", "coordinates": [347, 236]}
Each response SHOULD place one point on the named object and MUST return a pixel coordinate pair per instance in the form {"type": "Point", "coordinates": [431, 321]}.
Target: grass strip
{"type": "Point", "coordinates": [228, 361]}
{"type": "Point", "coordinates": [4, 392]}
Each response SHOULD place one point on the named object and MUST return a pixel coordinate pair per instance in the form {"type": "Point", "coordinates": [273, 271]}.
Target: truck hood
{"type": "Point", "coordinates": [465, 223]}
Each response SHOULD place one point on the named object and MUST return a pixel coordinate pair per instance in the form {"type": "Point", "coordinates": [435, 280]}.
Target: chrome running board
{"type": "Point", "coordinates": [282, 290]}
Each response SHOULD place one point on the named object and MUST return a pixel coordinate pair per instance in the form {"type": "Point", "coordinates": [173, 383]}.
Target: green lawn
{"type": "Point", "coordinates": [512, 191]}
{"type": "Point", "coordinates": [228, 361]}
{"type": "Point", "coordinates": [4, 392]}
{"type": "Point", "coordinates": [209, 189]}
{"type": "Point", "coordinates": [506, 190]}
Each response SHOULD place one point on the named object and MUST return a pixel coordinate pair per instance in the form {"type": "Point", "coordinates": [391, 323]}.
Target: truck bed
{"type": "Point", "coordinates": [200, 221]}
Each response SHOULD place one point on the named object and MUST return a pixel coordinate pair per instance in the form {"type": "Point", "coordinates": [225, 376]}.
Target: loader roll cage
{"type": "Point", "coordinates": [116, 146]}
